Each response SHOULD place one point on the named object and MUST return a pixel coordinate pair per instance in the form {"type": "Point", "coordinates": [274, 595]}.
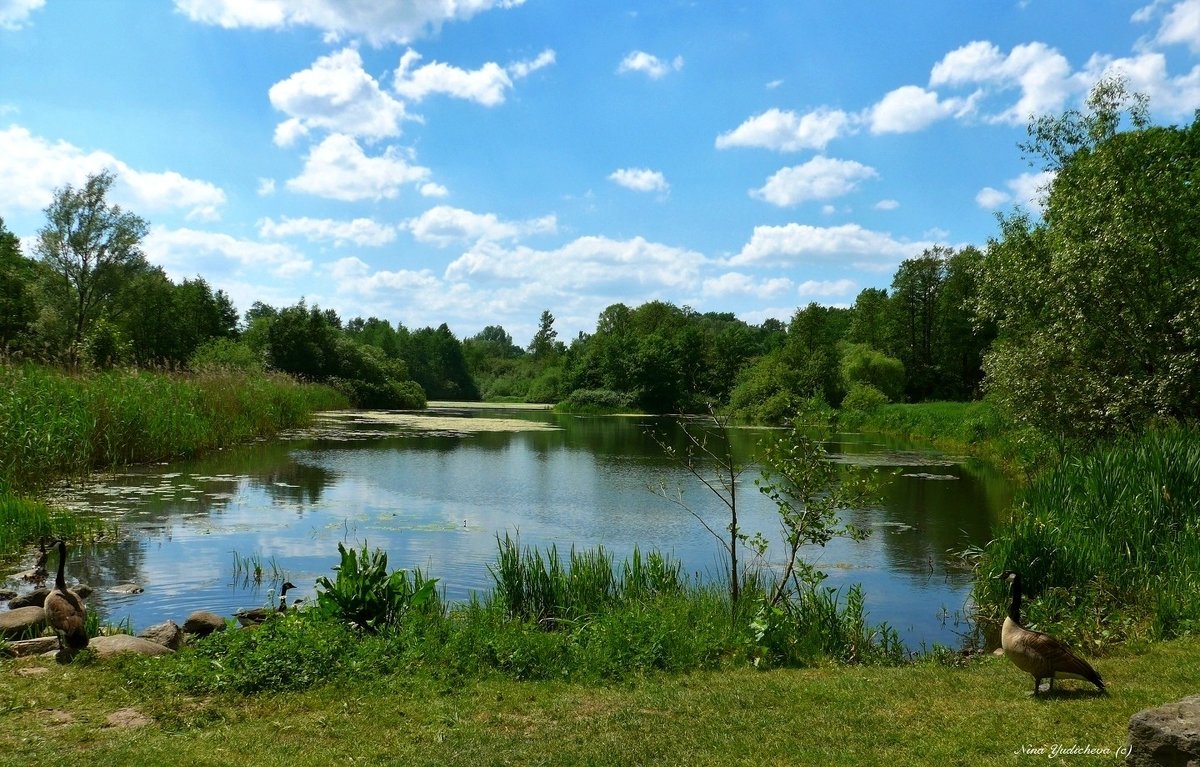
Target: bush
{"type": "Point", "coordinates": [225, 354]}
{"type": "Point", "coordinates": [863, 398]}
{"type": "Point", "coordinates": [595, 401]}
{"type": "Point", "coordinates": [365, 595]}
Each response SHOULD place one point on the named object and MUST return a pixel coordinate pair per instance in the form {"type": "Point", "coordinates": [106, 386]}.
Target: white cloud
{"type": "Point", "coordinates": [1147, 73]}
{"type": "Point", "coordinates": [738, 284]}
{"type": "Point", "coordinates": [640, 180]}
{"type": "Point", "coordinates": [445, 225]}
{"type": "Point", "coordinates": [587, 263]}
{"type": "Point", "coordinates": [15, 14]}
{"type": "Point", "coordinates": [185, 252]}
{"type": "Point", "coordinates": [339, 169]}
{"type": "Point", "coordinates": [887, 205]}
{"type": "Point", "coordinates": [826, 288]}
{"type": "Point", "coordinates": [793, 243]}
{"type": "Point", "coordinates": [33, 167]}
{"type": "Point", "coordinates": [431, 189]}
{"type": "Point", "coordinates": [788, 132]}
{"type": "Point", "coordinates": [910, 108]}
{"type": "Point", "coordinates": [1039, 72]}
{"type": "Point", "coordinates": [486, 85]}
{"type": "Point", "coordinates": [360, 231]}
{"type": "Point", "coordinates": [818, 179]}
{"type": "Point", "coordinates": [1027, 189]}
{"type": "Point", "coordinates": [1180, 25]}
{"type": "Point", "coordinates": [378, 22]}
{"type": "Point", "coordinates": [649, 65]}
{"type": "Point", "coordinates": [335, 94]}
{"type": "Point", "coordinates": [266, 187]}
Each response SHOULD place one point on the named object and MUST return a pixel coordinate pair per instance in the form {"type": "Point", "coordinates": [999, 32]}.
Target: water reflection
{"type": "Point", "coordinates": [439, 500]}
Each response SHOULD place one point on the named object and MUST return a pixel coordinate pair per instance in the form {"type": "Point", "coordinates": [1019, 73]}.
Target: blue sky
{"type": "Point", "coordinates": [477, 161]}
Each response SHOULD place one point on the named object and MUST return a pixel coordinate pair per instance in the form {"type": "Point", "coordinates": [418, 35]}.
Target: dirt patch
{"type": "Point", "coordinates": [126, 717]}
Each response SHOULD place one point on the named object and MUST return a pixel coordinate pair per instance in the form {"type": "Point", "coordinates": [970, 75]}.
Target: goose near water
{"type": "Point", "coordinates": [1037, 654]}
{"type": "Point", "coordinates": [257, 615]}
{"type": "Point", "coordinates": [64, 609]}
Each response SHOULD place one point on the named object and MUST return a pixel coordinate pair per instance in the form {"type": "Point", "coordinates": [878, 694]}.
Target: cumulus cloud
{"type": "Point", "coordinates": [360, 231]}
{"type": "Point", "coordinates": [1027, 189]}
{"type": "Point", "coordinates": [818, 179]}
{"type": "Point", "coordinates": [487, 85]}
{"type": "Point", "coordinates": [15, 14]}
{"type": "Point", "coordinates": [886, 205]}
{"type": "Point", "coordinates": [738, 284]}
{"type": "Point", "coordinates": [184, 252]}
{"type": "Point", "coordinates": [910, 108]}
{"type": "Point", "coordinates": [590, 263]}
{"type": "Point", "coordinates": [335, 94]}
{"type": "Point", "coordinates": [339, 169]}
{"type": "Point", "coordinates": [33, 167]}
{"type": "Point", "coordinates": [431, 189]}
{"type": "Point", "coordinates": [826, 288]}
{"type": "Point", "coordinates": [640, 180]}
{"type": "Point", "coordinates": [649, 64]}
{"type": "Point", "coordinates": [266, 187]}
{"type": "Point", "coordinates": [793, 243]}
{"type": "Point", "coordinates": [1147, 73]}
{"type": "Point", "coordinates": [1179, 26]}
{"type": "Point", "coordinates": [445, 225]}
{"type": "Point", "coordinates": [1041, 74]}
{"type": "Point", "coordinates": [378, 23]}
{"type": "Point", "coordinates": [787, 131]}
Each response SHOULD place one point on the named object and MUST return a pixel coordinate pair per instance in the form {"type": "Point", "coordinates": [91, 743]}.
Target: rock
{"type": "Point", "coordinates": [35, 598]}
{"type": "Point", "coordinates": [7, 594]}
{"type": "Point", "coordinates": [1167, 735]}
{"type": "Point", "coordinates": [109, 646]}
{"type": "Point", "coordinates": [202, 623]}
{"type": "Point", "coordinates": [167, 634]}
{"type": "Point", "coordinates": [14, 623]}
{"type": "Point", "coordinates": [25, 647]}
{"type": "Point", "coordinates": [126, 588]}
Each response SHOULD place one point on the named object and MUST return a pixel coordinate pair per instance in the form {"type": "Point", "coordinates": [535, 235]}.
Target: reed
{"type": "Point", "coordinates": [23, 520]}
{"type": "Point", "coordinates": [54, 423]}
{"type": "Point", "coordinates": [1108, 543]}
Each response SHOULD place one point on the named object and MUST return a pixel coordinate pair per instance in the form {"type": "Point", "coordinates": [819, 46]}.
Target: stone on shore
{"type": "Point", "coordinates": [14, 623]}
{"type": "Point", "coordinates": [108, 646]}
{"type": "Point", "coordinates": [202, 623]}
{"type": "Point", "coordinates": [1167, 735]}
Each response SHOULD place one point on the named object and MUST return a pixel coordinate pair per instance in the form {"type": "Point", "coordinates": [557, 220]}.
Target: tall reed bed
{"type": "Point", "coordinates": [1108, 544]}
{"type": "Point", "coordinates": [23, 520]}
{"type": "Point", "coordinates": [54, 423]}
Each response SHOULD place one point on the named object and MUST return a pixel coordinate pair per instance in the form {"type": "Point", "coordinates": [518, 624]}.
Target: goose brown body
{"type": "Point", "coordinates": [64, 609]}
{"type": "Point", "coordinates": [257, 615]}
{"type": "Point", "coordinates": [1037, 654]}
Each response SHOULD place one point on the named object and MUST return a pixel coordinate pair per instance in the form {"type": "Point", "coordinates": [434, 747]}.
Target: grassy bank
{"type": "Point", "coordinates": [55, 424]}
{"type": "Point", "coordinates": [1108, 543]}
{"type": "Point", "coordinates": [974, 427]}
{"type": "Point", "coordinates": [926, 713]}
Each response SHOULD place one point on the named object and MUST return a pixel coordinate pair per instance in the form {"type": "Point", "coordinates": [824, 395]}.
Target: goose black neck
{"type": "Point", "coordinates": [60, 581]}
{"type": "Point", "coordinates": [1014, 608]}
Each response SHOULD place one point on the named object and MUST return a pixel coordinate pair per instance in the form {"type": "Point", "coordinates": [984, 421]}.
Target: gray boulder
{"type": "Point", "coordinates": [35, 598]}
{"type": "Point", "coordinates": [24, 647]}
{"type": "Point", "coordinates": [7, 594]}
{"type": "Point", "coordinates": [168, 634]}
{"type": "Point", "coordinates": [14, 623]}
{"type": "Point", "coordinates": [115, 644]}
{"type": "Point", "coordinates": [1167, 736]}
{"type": "Point", "coordinates": [202, 623]}
{"type": "Point", "coordinates": [126, 588]}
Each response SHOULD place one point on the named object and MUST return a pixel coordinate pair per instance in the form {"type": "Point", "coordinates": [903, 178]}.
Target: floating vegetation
{"type": "Point", "coordinates": [365, 424]}
{"type": "Point", "coordinates": [925, 475]}
{"type": "Point", "coordinates": [896, 458]}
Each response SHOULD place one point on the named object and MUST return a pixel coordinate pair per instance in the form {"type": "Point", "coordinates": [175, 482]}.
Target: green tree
{"type": "Point", "coordinates": [18, 307]}
{"type": "Point", "coordinates": [92, 246]}
{"type": "Point", "coordinates": [1095, 305]}
{"type": "Point", "coordinates": [544, 343]}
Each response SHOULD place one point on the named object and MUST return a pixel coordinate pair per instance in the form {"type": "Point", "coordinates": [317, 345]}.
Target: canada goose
{"type": "Point", "coordinates": [64, 609]}
{"type": "Point", "coordinates": [256, 615]}
{"type": "Point", "coordinates": [1040, 655]}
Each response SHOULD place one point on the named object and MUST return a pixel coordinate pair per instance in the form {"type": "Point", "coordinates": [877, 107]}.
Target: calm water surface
{"type": "Point", "coordinates": [438, 498]}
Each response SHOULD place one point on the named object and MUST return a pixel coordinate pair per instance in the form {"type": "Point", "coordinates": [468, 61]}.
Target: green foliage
{"type": "Point", "coordinates": [863, 398]}
{"type": "Point", "coordinates": [862, 364]}
{"type": "Point", "coordinates": [366, 596]}
{"type": "Point", "coordinates": [1096, 304]}
{"type": "Point", "coordinates": [225, 354]}
{"type": "Point", "coordinates": [766, 391]}
{"type": "Point", "coordinates": [595, 401]}
{"type": "Point", "coordinates": [1107, 544]}
{"type": "Point", "coordinates": [817, 624]}
{"type": "Point", "coordinates": [23, 520]}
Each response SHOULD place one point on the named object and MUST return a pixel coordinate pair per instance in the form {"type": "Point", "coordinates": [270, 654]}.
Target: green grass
{"type": "Point", "coordinates": [1108, 543]}
{"type": "Point", "coordinates": [977, 427]}
{"type": "Point", "coordinates": [55, 424]}
{"type": "Point", "coordinates": [923, 714]}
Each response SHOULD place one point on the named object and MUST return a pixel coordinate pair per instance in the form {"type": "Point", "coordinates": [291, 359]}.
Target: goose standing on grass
{"type": "Point", "coordinates": [257, 615]}
{"type": "Point", "coordinates": [1037, 654]}
{"type": "Point", "coordinates": [64, 609]}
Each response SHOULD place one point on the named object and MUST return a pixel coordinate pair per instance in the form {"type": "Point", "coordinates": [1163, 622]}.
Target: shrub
{"type": "Point", "coordinates": [863, 398]}
{"type": "Point", "coordinates": [365, 595]}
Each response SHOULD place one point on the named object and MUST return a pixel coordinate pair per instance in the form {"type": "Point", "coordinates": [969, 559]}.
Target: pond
{"type": "Point", "coordinates": [434, 490]}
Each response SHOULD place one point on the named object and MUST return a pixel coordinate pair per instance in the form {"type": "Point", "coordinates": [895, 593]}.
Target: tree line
{"type": "Point", "coordinates": [1081, 323]}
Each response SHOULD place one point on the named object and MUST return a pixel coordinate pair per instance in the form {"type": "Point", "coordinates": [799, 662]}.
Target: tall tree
{"type": "Point", "coordinates": [544, 340]}
{"type": "Point", "coordinates": [92, 246]}
{"type": "Point", "coordinates": [17, 306]}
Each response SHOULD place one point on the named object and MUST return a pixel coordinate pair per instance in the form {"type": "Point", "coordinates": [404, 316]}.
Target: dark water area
{"type": "Point", "coordinates": [435, 493]}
